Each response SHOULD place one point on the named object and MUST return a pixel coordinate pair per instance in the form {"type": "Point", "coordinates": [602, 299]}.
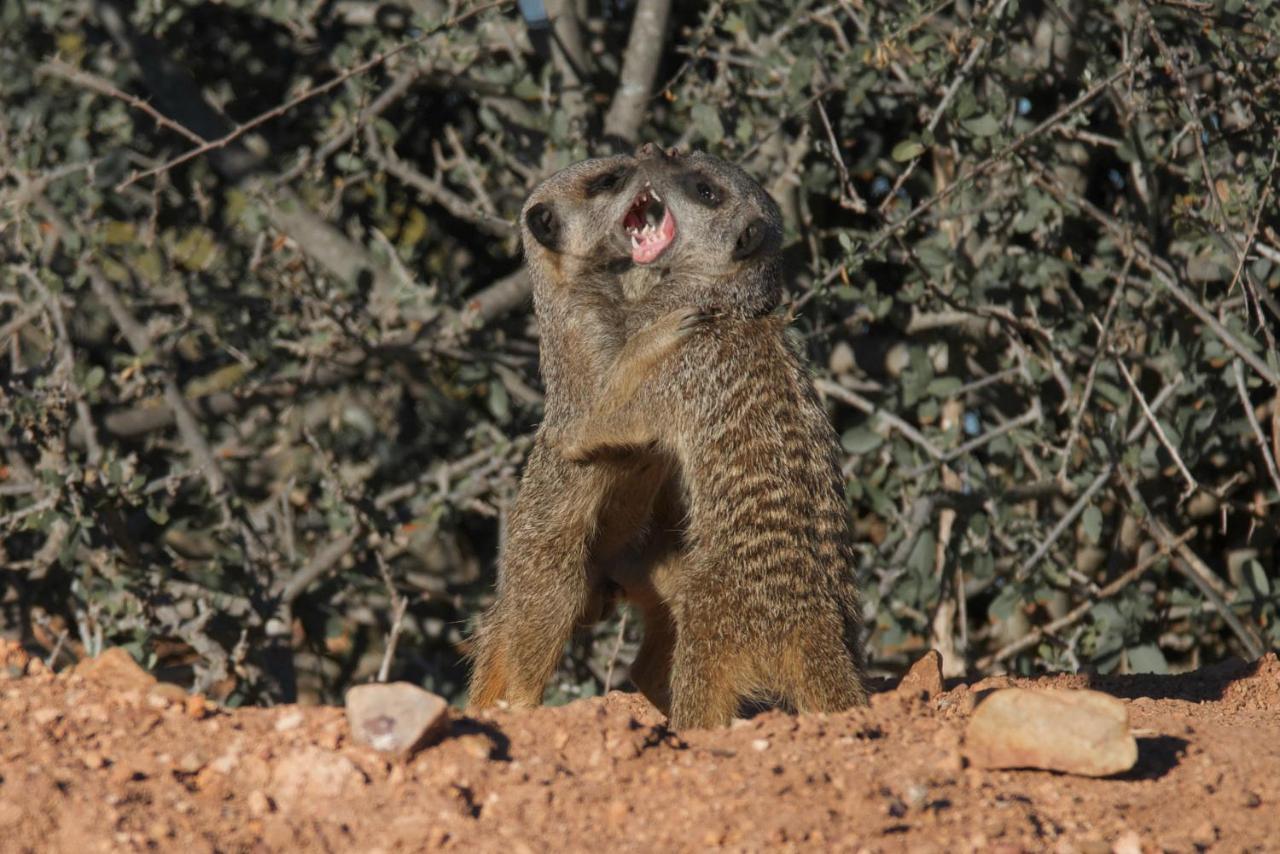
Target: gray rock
{"type": "Point", "coordinates": [924, 678]}
{"type": "Point", "coordinates": [395, 717]}
{"type": "Point", "coordinates": [1077, 732]}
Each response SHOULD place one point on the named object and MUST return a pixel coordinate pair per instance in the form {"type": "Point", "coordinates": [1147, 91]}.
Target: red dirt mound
{"type": "Point", "coordinates": [99, 762]}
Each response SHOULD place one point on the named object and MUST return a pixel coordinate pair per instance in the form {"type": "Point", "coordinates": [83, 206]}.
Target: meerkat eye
{"type": "Point", "coordinates": [605, 183]}
{"type": "Point", "coordinates": [544, 226]}
{"type": "Point", "coordinates": [704, 191]}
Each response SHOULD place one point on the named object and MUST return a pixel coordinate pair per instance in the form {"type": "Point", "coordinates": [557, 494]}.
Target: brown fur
{"type": "Point", "coordinates": [764, 606]}
{"type": "Point", "coordinates": [575, 532]}
{"type": "Point", "coordinates": [712, 496]}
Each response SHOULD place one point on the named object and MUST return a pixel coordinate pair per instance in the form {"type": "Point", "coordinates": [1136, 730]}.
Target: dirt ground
{"type": "Point", "coordinates": [100, 762]}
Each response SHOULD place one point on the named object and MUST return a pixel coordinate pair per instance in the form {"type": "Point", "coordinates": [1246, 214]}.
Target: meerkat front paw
{"type": "Point", "coordinates": [683, 322]}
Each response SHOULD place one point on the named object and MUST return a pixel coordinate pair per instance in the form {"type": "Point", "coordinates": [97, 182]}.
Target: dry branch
{"type": "Point", "coordinates": [639, 68]}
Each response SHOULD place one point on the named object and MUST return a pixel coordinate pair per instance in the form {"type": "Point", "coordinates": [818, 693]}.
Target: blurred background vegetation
{"type": "Point", "coordinates": [268, 367]}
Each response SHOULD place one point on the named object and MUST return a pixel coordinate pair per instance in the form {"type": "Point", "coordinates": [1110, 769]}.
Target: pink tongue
{"type": "Point", "coordinates": [655, 243]}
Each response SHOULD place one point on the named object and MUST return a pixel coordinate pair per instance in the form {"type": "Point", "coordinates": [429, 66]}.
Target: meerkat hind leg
{"type": "Point", "coordinates": [823, 675]}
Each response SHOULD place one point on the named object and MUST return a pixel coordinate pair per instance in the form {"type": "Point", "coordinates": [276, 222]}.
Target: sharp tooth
{"type": "Point", "coordinates": [635, 242]}
{"type": "Point", "coordinates": [655, 195]}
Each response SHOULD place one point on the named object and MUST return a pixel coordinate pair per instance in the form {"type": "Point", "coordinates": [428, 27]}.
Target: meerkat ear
{"type": "Point", "coordinates": [544, 225]}
{"type": "Point", "coordinates": [750, 240]}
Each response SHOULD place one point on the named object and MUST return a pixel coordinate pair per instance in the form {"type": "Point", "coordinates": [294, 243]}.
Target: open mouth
{"type": "Point", "coordinates": [650, 226]}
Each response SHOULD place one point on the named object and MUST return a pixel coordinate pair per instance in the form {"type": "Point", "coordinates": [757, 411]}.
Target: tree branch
{"type": "Point", "coordinates": [230, 136]}
{"type": "Point", "coordinates": [639, 69]}
{"type": "Point", "coordinates": [1052, 627]}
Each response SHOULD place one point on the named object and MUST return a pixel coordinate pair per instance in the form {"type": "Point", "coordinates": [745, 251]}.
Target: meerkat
{"type": "Point", "coordinates": [620, 278]}
{"type": "Point", "coordinates": [763, 598]}
{"type": "Point", "coordinates": [576, 533]}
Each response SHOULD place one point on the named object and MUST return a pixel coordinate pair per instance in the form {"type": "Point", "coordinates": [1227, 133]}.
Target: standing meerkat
{"type": "Point", "coordinates": [763, 598]}
{"type": "Point", "coordinates": [577, 532]}
{"type": "Point", "coordinates": [626, 251]}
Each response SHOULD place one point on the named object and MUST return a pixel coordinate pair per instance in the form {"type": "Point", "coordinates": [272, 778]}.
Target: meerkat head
{"type": "Point", "coordinates": [704, 231]}
{"type": "Point", "coordinates": [686, 228]}
{"type": "Point", "coordinates": [571, 225]}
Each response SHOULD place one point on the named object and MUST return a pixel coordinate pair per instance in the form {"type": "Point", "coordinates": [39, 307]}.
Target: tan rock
{"type": "Point", "coordinates": [394, 717]}
{"type": "Point", "coordinates": [259, 803]}
{"type": "Point", "coordinates": [116, 668]}
{"type": "Point", "coordinates": [924, 677]}
{"type": "Point", "coordinates": [1077, 732]}
{"type": "Point", "coordinates": [171, 692]}
{"type": "Point", "coordinates": [196, 706]}
{"type": "Point", "coordinates": [290, 720]}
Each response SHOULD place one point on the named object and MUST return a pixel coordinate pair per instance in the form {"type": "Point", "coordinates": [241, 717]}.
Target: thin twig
{"type": "Point", "coordinates": [395, 90]}
{"type": "Point", "coordinates": [1160, 270]}
{"type": "Point", "coordinates": [860, 403]}
{"type": "Point", "coordinates": [1192, 484]}
{"type": "Point", "coordinates": [436, 191]}
{"type": "Point", "coordinates": [980, 44]}
{"type": "Point", "coordinates": [1104, 332]}
{"type": "Point", "coordinates": [617, 648]}
{"type": "Point", "coordinates": [1031, 416]}
{"type": "Point", "coordinates": [1195, 569]}
{"type": "Point", "coordinates": [319, 89]}
{"type": "Point", "coordinates": [1238, 372]}
{"type": "Point", "coordinates": [57, 68]}
{"type": "Point", "coordinates": [67, 355]}
{"type": "Point", "coordinates": [1106, 592]}
{"type": "Point", "coordinates": [1062, 524]}
{"type": "Point", "coordinates": [399, 605]}
{"type": "Point", "coordinates": [888, 231]}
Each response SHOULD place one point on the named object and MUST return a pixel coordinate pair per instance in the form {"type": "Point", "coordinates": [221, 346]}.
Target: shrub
{"type": "Point", "coordinates": [270, 369]}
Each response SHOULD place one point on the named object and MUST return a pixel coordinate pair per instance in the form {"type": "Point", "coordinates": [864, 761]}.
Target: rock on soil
{"type": "Point", "coordinates": [1077, 732]}
{"type": "Point", "coordinates": [394, 717]}
{"type": "Point", "coordinates": [924, 679]}
{"type": "Point", "coordinates": [89, 766]}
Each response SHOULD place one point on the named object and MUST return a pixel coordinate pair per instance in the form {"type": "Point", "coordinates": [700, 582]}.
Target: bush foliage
{"type": "Point", "coordinates": [269, 369]}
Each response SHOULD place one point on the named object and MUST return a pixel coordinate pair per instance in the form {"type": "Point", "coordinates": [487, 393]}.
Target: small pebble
{"type": "Point", "coordinates": [46, 716]}
{"type": "Point", "coordinates": [289, 721]}
{"type": "Point", "coordinates": [259, 803]}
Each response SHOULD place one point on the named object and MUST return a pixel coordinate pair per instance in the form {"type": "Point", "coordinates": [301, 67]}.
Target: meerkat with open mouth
{"type": "Point", "coordinates": [709, 463]}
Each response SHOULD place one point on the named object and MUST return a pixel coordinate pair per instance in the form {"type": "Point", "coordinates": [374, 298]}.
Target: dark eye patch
{"type": "Point", "coordinates": [605, 182]}
{"type": "Point", "coordinates": [544, 226]}
{"type": "Point", "coordinates": [703, 190]}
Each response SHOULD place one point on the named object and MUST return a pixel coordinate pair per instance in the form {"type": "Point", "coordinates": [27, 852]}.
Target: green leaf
{"type": "Point", "coordinates": [944, 386]}
{"type": "Point", "coordinates": [923, 555]}
{"type": "Point", "coordinates": [348, 162]}
{"type": "Point", "coordinates": [94, 378]}
{"type": "Point", "coordinates": [1091, 521]}
{"type": "Point", "coordinates": [1259, 576]}
{"type": "Point", "coordinates": [499, 402]}
{"type": "Point", "coordinates": [860, 440]}
{"type": "Point", "coordinates": [706, 121]}
{"type": "Point", "coordinates": [983, 125]}
{"type": "Point", "coordinates": [907, 150]}
{"type": "Point", "coordinates": [1003, 606]}
{"type": "Point", "coordinates": [1146, 658]}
